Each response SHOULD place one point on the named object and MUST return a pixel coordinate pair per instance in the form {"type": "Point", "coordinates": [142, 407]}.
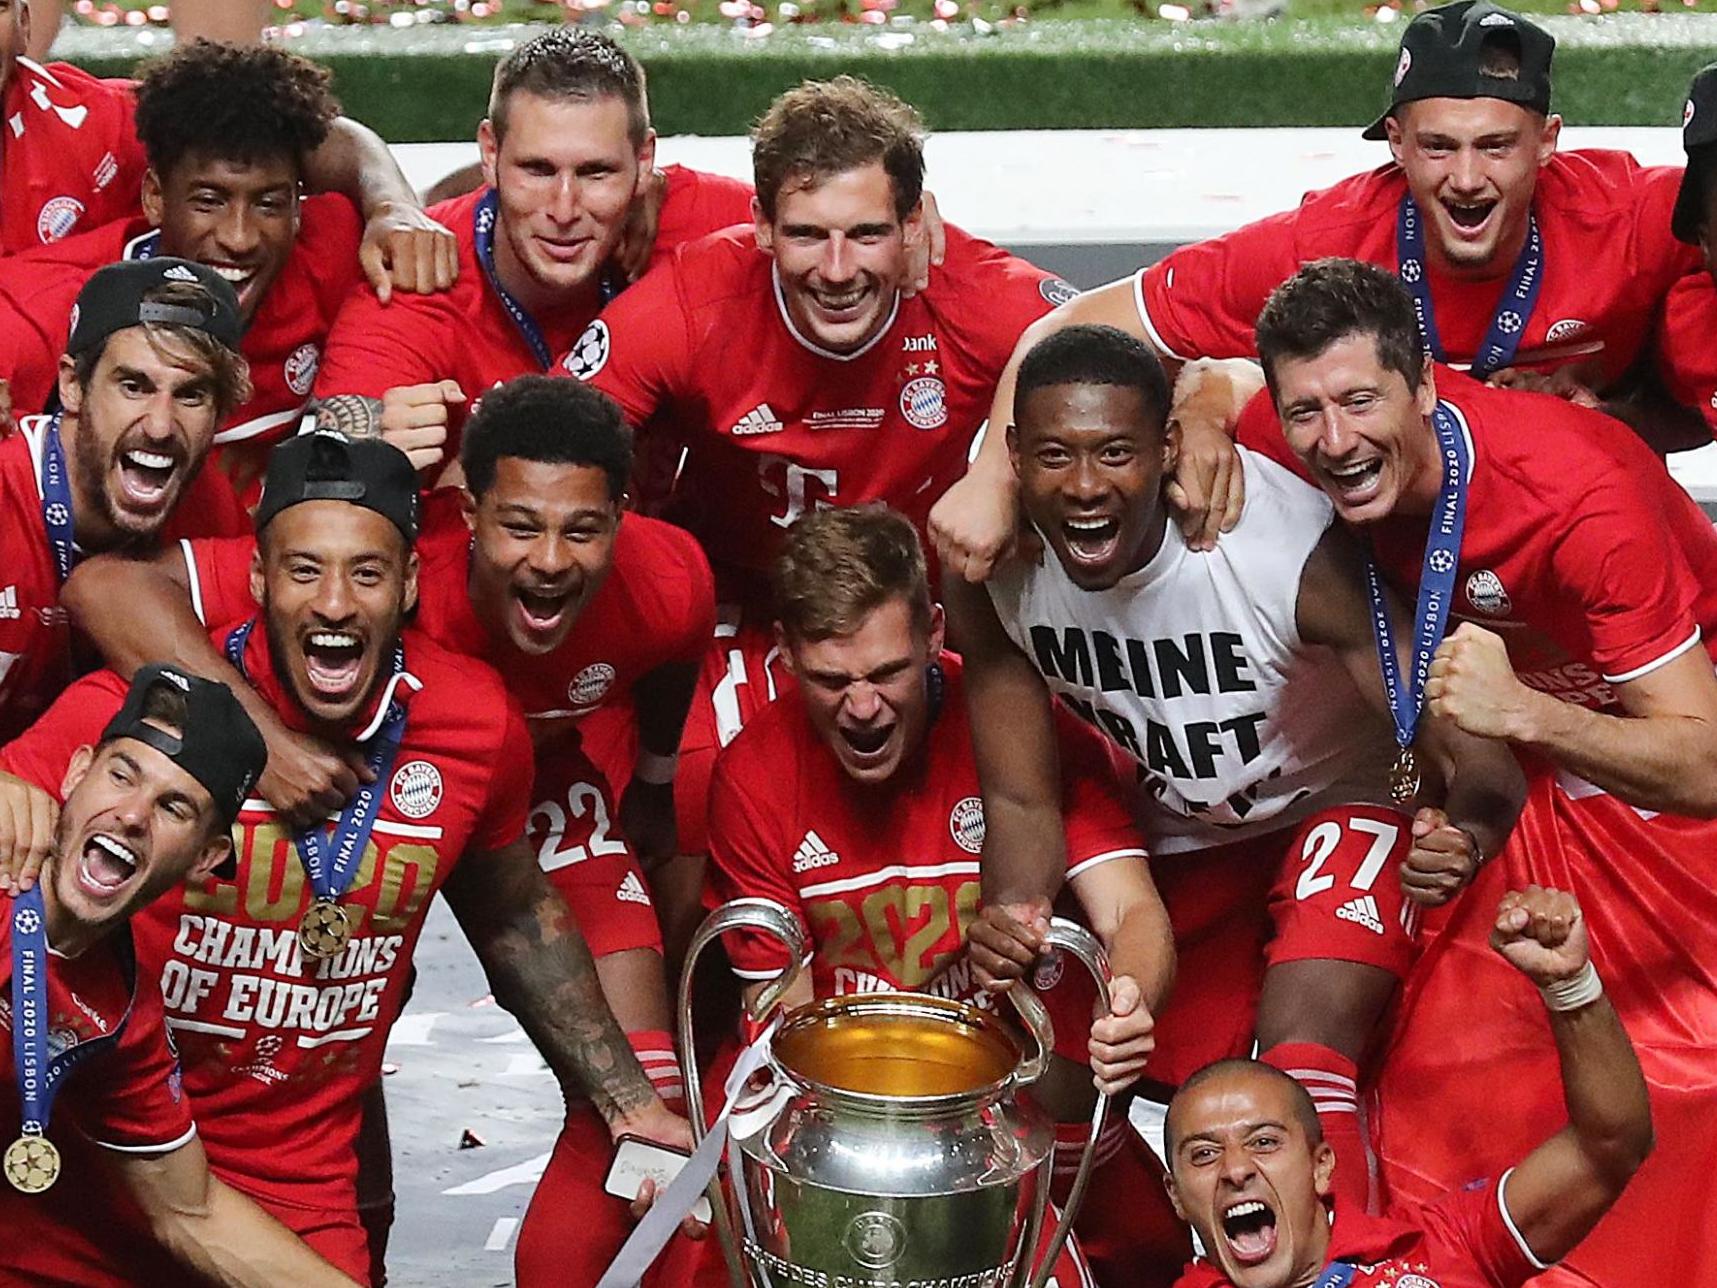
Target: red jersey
{"type": "Point", "coordinates": [787, 823]}
{"type": "Point", "coordinates": [1686, 351]}
{"type": "Point", "coordinates": [1463, 1240]}
{"type": "Point", "coordinates": [279, 1048]}
{"type": "Point", "coordinates": [791, 427]}
{"type": "Point", "coordinates": [127, 1098]}
{"type": "Point", "coordinates": [35, 641]}
{"type": "Point", "coordinates": [1595, 570]}
{"type": "Point", "coordinates": [283, 342]}
{"type": "Point", "coordinates": [1609, 261]}
{"type": "Point", "coordinates": [69, 154]}
{"type": "Point", "coordinates": [467, 333]}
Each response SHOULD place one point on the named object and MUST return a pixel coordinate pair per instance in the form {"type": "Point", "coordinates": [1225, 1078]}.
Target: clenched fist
{"type": "Point", "coordinates": [1472, 683]}
{"type": "Point", "coordinates": [1542, 934]}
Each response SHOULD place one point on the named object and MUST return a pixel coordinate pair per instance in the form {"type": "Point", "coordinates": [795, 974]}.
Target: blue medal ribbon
{"type": "Point", "coordinates": [40, 1075]}
{"type": "Point", "coordinates": [1502, 339]}
{"type": "Point", "coordinates": [146, 247]}
{"type": "Point", "coordinates": [57, 500]}
{"type": "Point", "coordinates": [484, 218]}
{"type": "Point", "coordinates": [1436, 583]}
{"type": "Point", "coordinates": [332, 862]}
{"type": "Point", "coordinates": [1338, 1274]}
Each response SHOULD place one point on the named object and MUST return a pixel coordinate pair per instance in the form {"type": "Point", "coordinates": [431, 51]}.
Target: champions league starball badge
{"type": "Point", "coordinates": [32, 1164]}
{"type": "Point", "coordinates": [324, 930]}
{"type": "Point", "coordinates": [1404, 777]}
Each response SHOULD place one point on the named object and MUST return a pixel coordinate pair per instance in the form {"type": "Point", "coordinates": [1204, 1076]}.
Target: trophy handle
{"type": "Point", "coordinates": [1075, 939]}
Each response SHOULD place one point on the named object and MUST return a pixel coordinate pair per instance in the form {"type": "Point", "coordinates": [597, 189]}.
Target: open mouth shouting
{"type": "Point", "coordinates": [106, 865]}
{"type": "Point", "coordinates": [145, 477]}
{"type": "Point", "coordinates": [1249, 1230]}
{"type": "Point", "coordinates": [868, 746]}
{"type": "Point", "coordinates": [1355, 482]}
{"type": "Point", "coordinates": [542, 614]}
{"type": "Point", "coordinates": [334, 665]}
{"type": "Point", "coordinates": [1092, 539]}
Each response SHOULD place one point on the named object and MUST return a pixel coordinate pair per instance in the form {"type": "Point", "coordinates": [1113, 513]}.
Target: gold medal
{"type": "Point", "coordinates": [324, 929]}
{"type": "Point", "coordinates": [32, 1164]}
{"type": "Point", "coordinates": [1404, 777]}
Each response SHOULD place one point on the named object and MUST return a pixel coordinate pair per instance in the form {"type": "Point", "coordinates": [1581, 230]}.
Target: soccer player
{"type": "Point", "coordinates": [1685, 352]}
{"type": "Point", "coordinates": [1244, 686]}
{"type": "Point", "coordinates": [849, 391]}
{"type": "Point", "coordinates": [536, 570]}
{"type": "Point", "coordinates": [1586, 585]}
{"type": "Point", "coordinates": [1527, 264]}
{"type": "Point", "coordinates": [1251, 1170]}
{"type": "Point", "coordinates": [282, 983]}
{"type": "Point", "coordinates": [854, 801]}
{"type": "Point", "coordinates": [146, 808]}
{"type": "Point", "coordinates": [567, 154]}
{"type": "Point", "coordinates": [228, 132]}
{"type": "Point", "coordinates": [148, 371]}
{"type": "Point", "coordinates": [70, 160]}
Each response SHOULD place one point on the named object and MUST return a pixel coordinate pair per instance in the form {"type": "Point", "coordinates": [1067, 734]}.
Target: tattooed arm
{"type": "Point", "coordinates": [541, 971]}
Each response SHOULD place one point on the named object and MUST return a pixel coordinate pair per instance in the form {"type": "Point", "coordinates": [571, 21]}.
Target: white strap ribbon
{"type": "Point", "coordinates": [673, 1204]}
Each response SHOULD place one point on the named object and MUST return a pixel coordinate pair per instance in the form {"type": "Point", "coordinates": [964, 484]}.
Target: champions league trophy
{"type": "Point", "coordinates": [887, 1146]}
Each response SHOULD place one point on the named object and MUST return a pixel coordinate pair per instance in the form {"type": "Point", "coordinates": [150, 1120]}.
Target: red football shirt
{"type": "Point", "coordinates": [1609, 261]}
{"type": "Point", "coordinates": [466, 334]}
{"type": "Point", "coordinates": [127, 1098]}
{"type": "Point", "coordinates": [35, 643]}
{"type": "Point", "coordinates": [785, 426]}
{"type": "Point", "coordinates": [69, 154]}
{"type": "Point", "coordinates": [283, 342]}
{"type": "Point", "coordinates": [1579, 550]}
{"type": "Point", "coordinates": [884, 879]}
{"type": "Point", "coordinates": [1464, 1240]}
{"type": "Point", "coordinates": [1687, 346]}
{"type": "Point", "coordinates": [278, 1048]}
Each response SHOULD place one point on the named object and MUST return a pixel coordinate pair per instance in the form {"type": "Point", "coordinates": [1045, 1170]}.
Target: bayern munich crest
{"type": "Point", "coordinates": [1416, 1281]}
{"type": "Point", "coordinates": [1056, 292]}
{"type": "Point", "coordinates": [416, 789]}
{"type": "Point", "coordinates": [57, 217]}
{"type": "Point", "coordinates": [966, 825]}
{"type": "Point", "coordinates": [590, 685]}
{"type": "Point", "coordinates": [1048, 971]}
{"type": "Point", "coordinates": [589, 353]}
{"type": "Point", "coordinates": [301, 368]}
{"type": "Point", "coordinates": [1567, 329]}
{"type": "Point", "coordinates": [1486, 593]}
{"type": "Point", "coordinates": [924, 402]}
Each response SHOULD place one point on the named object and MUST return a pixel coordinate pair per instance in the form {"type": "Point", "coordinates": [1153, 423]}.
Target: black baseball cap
{"type": "Point", "coordinates": [114, 298]}
{"type": "Point", "coordinates": [1443, 56]}
{"type": "Point", "coordinates": [324, 466]}
{"type": "Point", "coordinates": [1698, 133]}
{"type": "Point", "coordinates": [217, 743]}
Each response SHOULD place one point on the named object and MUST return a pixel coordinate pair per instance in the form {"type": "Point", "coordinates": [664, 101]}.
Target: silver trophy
{"type": "Point", "coordinates": [886, 1146]}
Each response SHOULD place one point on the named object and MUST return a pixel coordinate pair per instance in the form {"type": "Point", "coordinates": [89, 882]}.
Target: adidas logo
{"type": "Point", "coordinates": [632, 890]}
{"type": "Point", "coordinates": [1362, 911]}
{"type": "Point", "coordinates": [9, 604]}
{"type": "Point", "coordinates": [759, 420]}
{"type": "Point", "coordinates": [179, 273]}
{"type": "Point", "coordinates": [812, 853]}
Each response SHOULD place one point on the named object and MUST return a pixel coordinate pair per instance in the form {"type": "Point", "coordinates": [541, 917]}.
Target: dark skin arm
{"type": "Point", "coordinates": [660, 699]}
{"type": "Point", "coordinates": [1483, 788]}
{"type": "Point", "coordinates": [138, 611]}
{"type": "Point", "coordinates": [1560, 1190]}
{"type": "Point", "coordinates": [541, 972]}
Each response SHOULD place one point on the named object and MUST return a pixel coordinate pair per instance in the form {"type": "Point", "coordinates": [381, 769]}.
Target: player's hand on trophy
{"type": "Point", "coordinates": [305, 779]}
{"type": "Point", "coordinates": [414, 419]}
{"type": "Point", "coordinates": [1542, 934]}
{"type": "Point", "coordinates": [1442, 862]}
{"type": "Point", "coordinates": [28, 816]}
{"type": "Point", "coordinates": [1004, 940]}
{"type": "Point", "coordinates": [1473, 684]}
{"type": "Point", "coordinates": [928, 250]}
{"type": "Point", "coordinates": [1122, 1040]}
{"type": "Point", "coordinates": [976, 523]}
{"type": "Point", "coordinates": [404, 249]}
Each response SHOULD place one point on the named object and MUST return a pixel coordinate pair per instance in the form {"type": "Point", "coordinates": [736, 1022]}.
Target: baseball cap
{"type": "Point", "coordinates": [1698, 131]}
{"type": "Point", "coordinates": [217, 744]}
{"type": "Point", "coordinates": [1443, 56]}
{"type": "Point", "coordinates": [325, 466]}
{"type": "Point", "coordinates": [114, 299]}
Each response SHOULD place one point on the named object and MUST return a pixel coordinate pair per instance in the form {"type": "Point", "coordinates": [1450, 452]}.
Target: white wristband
{"type": "Point", "coordinates": [1571, 994]}
{"type": "Point", "coordinates": [656, 770]}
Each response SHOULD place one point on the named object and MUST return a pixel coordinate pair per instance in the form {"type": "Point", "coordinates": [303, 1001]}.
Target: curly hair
{"type": "Point", "coordinates": [240, 102]}
{"type": "Point", "coordinates": [551, 421]}
{"type": "Point", "coordinates": [820, 129]}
